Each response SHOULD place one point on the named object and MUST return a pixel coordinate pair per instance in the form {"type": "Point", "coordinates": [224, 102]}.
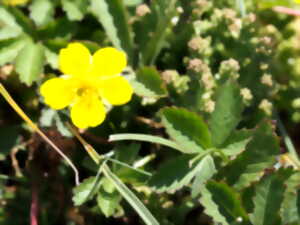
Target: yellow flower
{"type": "Point", "coordinates": [297, 1]}
{"type": "Point", "coordinates": [88, 82]}
{"type": "Point", "coordinates": [14, 2]}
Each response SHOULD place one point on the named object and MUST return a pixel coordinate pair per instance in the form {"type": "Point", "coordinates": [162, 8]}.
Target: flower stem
{"type": "Point", "coordinates": [21, 113]}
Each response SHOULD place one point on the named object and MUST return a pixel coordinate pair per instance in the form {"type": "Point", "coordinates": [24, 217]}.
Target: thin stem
{"type": "Point", "coordinates": [287, 140]}
{"type": "Point", "coordinates": [21, 113]}
{"type": "Point", "coordinates": [130, 167]}
{"type": "Point", "coordinates": [97, 157]}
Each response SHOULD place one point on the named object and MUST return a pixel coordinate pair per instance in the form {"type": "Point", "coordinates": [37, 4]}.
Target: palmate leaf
{"type": "Point", "coordinates": [268, 198]}
{"type": "Point", "coordinates": [227, 113]}
{"type": "Point", "coordinates": [223, 204]}
{"type": "Point", "coordinates": [9, 49]}
{"type": "Point", "coordinates": [259, 155]}
{"type": "Point", "coordinates": [186, 128]}
{"type": "Point", "coordinates": [148, 83]}
{"type": "Point", "coordinates": [30, 62]}
{"type": "Point", "coordinates": [177, 173]}
{"type": "Point", "coordinates": [113, 16]}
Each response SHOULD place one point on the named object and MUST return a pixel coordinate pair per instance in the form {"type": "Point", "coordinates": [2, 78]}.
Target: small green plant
{"type": "Point", "coordinates": [207, 132]}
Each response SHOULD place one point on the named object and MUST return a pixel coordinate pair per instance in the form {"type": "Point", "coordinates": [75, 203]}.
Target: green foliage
{"type": "Point", "coordinates": [112, 15]}
{"type": "Point", "coordinates": [215, 80]}
{"type": "Point", "coordinates": [227, 113]}
{"type": "Point", "coordinates": [29, 63]}
{"type": "Point", "coordinates": [269, 195]}
{"type": "Point", "coordinates": [259, 155]}
{"type": "Point", "coordinates": [82, 193]}
{"type": "Point", "coordinates": [223, 204]}
{"type": "Point", "coordinates": [148, 83]}
{"type": "Point", "coordinates": [187, 129]}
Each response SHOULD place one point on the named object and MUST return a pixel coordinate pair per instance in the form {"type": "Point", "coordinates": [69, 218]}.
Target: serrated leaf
{"type": "Point", "coordinates": [186, 128]}
{"type": "Point", "coordinates": [30, 62]}
{"type": "Point", "coordinates": [82, 192]}
{"type": "Point", "coordinates": [22, 21]}
{"type": "Point", "coordinates": [9, 32]}
{"type": "Point", "coordinates": [130, 197]}
{"type": "Point", "coordinates": [108, 198]}
{"type": "Point", "coordinates": [290, 204]}
{"type": "Point", "coordinates": [227, 113]}
{"type": "Point", "coordinates": [177, 173]}
{"type": "Point", "coordinates": [268, 198]}
{"type": "Point", "coordinates": [7, 19]}
{"type": "Point", "coordinates": [223, 204]}
{"type": "Point", "coordinates": [205, 171]}
{"type": "Point", "coordinates": [259, 155]}
{"type": "Point", "coordinates": [75, 9]}
{"type": "Point", "coordinates": [153, 29]}
{"type": "Point", "coordinates": [41, 12]}
{"type": "Point", "coordinates": [113, 17]}
{"type": "Point", "coordinates": [236, 142]}
{"type": "Point", "coordinates": [10, 49]}
{"type": "Point", "coordinates": [148, 83]}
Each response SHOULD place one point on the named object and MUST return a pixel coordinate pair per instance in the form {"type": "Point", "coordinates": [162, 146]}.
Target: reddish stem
{"type": "Point", "coordinates": [288, 11]}
{"type": "Point", "coordinates": [34, 208]}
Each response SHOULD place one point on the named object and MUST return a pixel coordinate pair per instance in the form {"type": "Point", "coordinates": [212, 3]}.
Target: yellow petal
{"type": "Point", "coordinates": [108, 61]}
{"type": "Point", "coordinates": [88, 111]}
{"type": "Point", "coordinates": [75, 59]}
{"type": "Point", "coordinates": [58, 92]}
{"type": "Point", "coordinates": [116, 90]}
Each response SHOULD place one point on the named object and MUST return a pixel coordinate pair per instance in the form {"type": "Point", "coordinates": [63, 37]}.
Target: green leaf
{"type": "Point", "coordinates": [236, 143]}
{"type": "Point", "coordinates": [126, 154]}
{"type": "Point", "coordinates": [223, 204]}
{"type": "Point", "coordinates": [108, 198]}
{"type": "Point", "coordinates": [147, 138]}
{"type": "Point", "coordinates": [9, 32]}
{"type": "Point", "coordinates": [130, 197]}
{"type": "Point", "coordinates": [268, 198]}
{"type": "Point", "coordinates": [177, 173]}
{"type": "Point", "coordinates": [259, 155]}
{"type": "Point", "coordinates": [227, 113]}
{"type": "Point", "coordinates": [290, 205]}
{"type": "Point", "coordinates": [186, 128]}
{"type": "Point", "coordinates": [113, 17]}
{"type": "Point", "coordinates": [10, 49]}
{"type": "Point", "coordinates": [154, 35]}
{"type": "Point", "coordinates": [132, 2]}
{"type": "Point", "coordinates": [41, 12]}
{"type": "Point", "coordinates": [82, 192]}
{"type": "Point", "coordinates": [148, 83]}
{"type": "Point", "coordinates": [30, 62]}
{"type": "Point", "coordinates": [9, 138]}
{"type": "Point", "coordinates": [7, 18]}
{"type": "Point", "coordinates": [75, 9]}
{"type": "Point", "coordinates": [205, 171]}
{"type": "Point", "coordinates": [22, 21]}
